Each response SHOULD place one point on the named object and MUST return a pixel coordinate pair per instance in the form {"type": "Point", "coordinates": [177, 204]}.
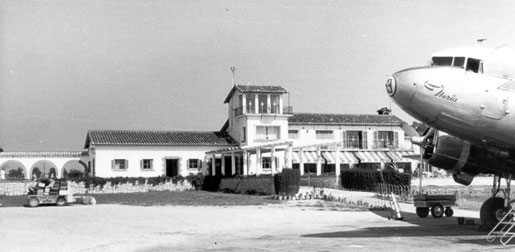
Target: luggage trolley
{"type": "Point", "coordinates": [438, 204]}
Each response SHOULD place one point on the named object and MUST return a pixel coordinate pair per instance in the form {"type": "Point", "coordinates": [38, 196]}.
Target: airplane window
{"type": "Point", "coordinates": [473, 65]}
{"type": "Point", "coordinates": [442, 61]}
{"type": "Point", "coordinates": [459, 62]}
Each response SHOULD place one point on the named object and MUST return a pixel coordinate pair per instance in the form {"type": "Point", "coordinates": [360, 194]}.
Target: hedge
{"type": "Point", "coordinates": [287, 182]}
{"type": "Point", "coordinates": [366, 180]}
{"type": "Point", "coordinates": [195, 180]}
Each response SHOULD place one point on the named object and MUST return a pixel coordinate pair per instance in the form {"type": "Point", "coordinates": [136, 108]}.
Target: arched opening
{"type": "Point", "coordinates": [14, 170]}
{"type": "Point", "coordinates": [43, 169]}
{"type": "Point", "coordinates": [73, 169]}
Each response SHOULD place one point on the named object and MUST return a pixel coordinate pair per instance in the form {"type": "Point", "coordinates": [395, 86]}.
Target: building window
{"type": "Point", "coordinates": [265, 133]}
{"type": "Point", "coordinates": [274, 108]}
{"type": "Point", "coordinates": [324, 134]}
{"type": "Point", "coordinates": [244, 137]}
{"type": "Point", "coordinates": [293, 134]}
{"type": "Point", "coordinates": [266, 163]}
{"type": "Point", "coordinates": [251, 106]}
{"type": "Point", "coordinates": [386, 139]}
{"type": "Point", "coordinates": [355, 139]}
{"type": "Point", "coordinates": [194, 163]}
{"type": "Point", "coordinates": [147, 164]}
{"type": "Point", "coordinates": [120, 164]}
{"type": "Point", "coordinates": [263, 104]}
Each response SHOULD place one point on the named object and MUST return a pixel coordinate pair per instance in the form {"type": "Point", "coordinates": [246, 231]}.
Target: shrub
{"type": "Point", "coordinates": [212, 183]}
{"type": "Point", "coordinates": [367, 180]}
{"type": "Point", "coordinates": [261, 185]}
{"type": "Point", "coordinates": [287, 182]}
{"type": "Point", "coordinates": [16, 174]}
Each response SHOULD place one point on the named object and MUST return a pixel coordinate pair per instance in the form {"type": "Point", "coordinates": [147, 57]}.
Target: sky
{"type": "Point", "coordinates": [69, 66]}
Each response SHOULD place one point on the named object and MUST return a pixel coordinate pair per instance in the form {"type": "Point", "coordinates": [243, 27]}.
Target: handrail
{"type": "Point", "coordinates": [505, 230]}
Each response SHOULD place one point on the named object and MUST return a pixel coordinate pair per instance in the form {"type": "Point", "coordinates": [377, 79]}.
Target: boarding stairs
{"type": "Point", "coordinates": [504, 229]}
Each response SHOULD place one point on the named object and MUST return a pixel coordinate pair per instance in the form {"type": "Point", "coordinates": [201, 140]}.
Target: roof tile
{"type": "Point", "coordinates": [167, 138]}
{"type": "Point", "coordinates": [344, 119]}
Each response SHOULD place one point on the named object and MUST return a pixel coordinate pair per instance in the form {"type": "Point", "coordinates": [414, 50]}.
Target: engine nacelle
{"type": "Point", "coordinates": [453, 154]}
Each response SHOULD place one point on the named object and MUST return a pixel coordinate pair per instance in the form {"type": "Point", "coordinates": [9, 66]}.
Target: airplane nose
{"type": "Point", "coordinates": [400, 87]}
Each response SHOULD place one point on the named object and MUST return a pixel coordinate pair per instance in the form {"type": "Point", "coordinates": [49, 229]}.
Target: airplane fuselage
{"type": "Point", "coordinates": [467, 105]}
{"type": "Point", "coordinates": [477, 107]}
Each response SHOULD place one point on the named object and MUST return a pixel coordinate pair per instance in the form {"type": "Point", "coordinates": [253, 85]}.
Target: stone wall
{"type": "Point", "coordinates": [12, 188]}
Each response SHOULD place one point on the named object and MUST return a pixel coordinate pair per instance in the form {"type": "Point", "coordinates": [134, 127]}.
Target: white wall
{"type": "Point", "coordinates": [104, 155]}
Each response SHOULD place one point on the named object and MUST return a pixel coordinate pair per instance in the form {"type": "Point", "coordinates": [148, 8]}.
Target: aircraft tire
{"type": "Point", "coordinates": [491, 212]}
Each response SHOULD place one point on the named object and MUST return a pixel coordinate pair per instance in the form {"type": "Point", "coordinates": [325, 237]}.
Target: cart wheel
{"type": "Point", "coordinates": [60, 201]}
{"type": "Point", "coordinates": [422, 212]}
{"type": "Point", "coordinates": [33, 202]}
{"type": "Point", "coordinates": [437, 210]}
{"type": "Point", "coordinates": [449, 212]}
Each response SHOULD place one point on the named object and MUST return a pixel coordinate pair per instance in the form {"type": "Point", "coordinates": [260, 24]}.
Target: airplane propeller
{"type": "Point", "coordinates": [427, 143]}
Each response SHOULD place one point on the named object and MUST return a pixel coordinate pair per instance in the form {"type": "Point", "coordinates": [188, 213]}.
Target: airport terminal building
{"type": "Point", "coordinates": [262, 135]}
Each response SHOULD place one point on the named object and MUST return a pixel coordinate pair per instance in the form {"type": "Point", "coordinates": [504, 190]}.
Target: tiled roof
{"type": "Point", "coordinates": [64, 154]}
{"type": "Point", "coordinates": [255, 89]}
{"type": "Point", "coordinates": [163, 138]}
{"type": "Point", "coordinates": [343, 119]}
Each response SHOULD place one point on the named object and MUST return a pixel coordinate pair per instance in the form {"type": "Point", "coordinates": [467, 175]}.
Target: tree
{"type": "Point", "coordinates": [36, 173]}
{"type": "Point", "coordinates": [16, 174]}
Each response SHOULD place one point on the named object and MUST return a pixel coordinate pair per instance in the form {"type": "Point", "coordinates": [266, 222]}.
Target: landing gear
{"type": "Point", "coordinates": [494, 208]}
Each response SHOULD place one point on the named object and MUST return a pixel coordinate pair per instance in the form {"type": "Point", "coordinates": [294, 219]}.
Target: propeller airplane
{"type": "Point", "coordinates": [467, 97]}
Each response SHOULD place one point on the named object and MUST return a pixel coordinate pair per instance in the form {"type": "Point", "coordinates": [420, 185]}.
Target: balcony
{"type": "Point", "coordinates": [288, 110]}
{"type": "Point", "coordinates": [269, 111]}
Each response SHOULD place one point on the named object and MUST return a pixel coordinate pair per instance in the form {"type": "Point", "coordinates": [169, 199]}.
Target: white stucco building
{"type": "Point", "coordinates": [262, 135]}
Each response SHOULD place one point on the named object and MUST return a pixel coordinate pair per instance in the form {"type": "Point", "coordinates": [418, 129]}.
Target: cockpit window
{"type": "Point", "coordinates": [442, 61]}
{"type": "Point", "coordinates": [459, 62]}
{"type": "Point", "coordinates": [474, 65]}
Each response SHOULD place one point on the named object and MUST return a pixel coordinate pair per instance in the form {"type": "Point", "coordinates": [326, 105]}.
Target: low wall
{"type": "Point", "coordinates": [13, 188]}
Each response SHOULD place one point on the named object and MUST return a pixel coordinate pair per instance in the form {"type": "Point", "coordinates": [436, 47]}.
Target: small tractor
{"type": "Point", "coordinates": [49, 192]}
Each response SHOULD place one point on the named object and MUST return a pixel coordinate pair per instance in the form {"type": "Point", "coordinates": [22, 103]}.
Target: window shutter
{"type": "Point", "coordinates": [200, 164]}
{"type": "Point", "coordinates": [396, 140]}
{"type": "Point", "coordinates": [112, 164]}
{"type": "Point", "coordinates": [141, 165]}
{"type": "Point", "coordinates": [344, 139]}
{"type": "Point", "coordinates": [376, 139]}
{"type": "Point", "coordinates": [126, 164]}
{"type": "Point", "coordinates": [365, 140]}
{"type": "Point", "coordinates": [188, 163]}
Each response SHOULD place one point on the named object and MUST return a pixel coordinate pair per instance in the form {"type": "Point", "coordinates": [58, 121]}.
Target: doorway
{"type": "Point", "coordinates": [172, 167]}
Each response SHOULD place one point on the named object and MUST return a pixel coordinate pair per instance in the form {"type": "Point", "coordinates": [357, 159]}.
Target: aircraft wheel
{"type": "Point", "coordinates": [33, 202]}
{"type": "Point", "coordinates": [422, 212]}
{"type": "Point", "coordinates": [60, 201]}
{"type": "Point", "coordinates": [437, 211]}
{"type": "Point", "coordinates": [449, 212]}
{"type": "Point", "coordinates": [491, 212]}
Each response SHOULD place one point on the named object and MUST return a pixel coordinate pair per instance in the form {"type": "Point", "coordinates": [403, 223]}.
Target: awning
{"type": "Point", "coordinates": [372, 156]}
{"type": "Point", "coordinates": [309, 157]}
{"type": "Point", "coordinates": [344, 157]}
{"type": "Point", "coordinates": [401, 156]}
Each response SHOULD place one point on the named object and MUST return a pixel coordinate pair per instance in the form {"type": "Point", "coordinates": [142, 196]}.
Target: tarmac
{"type": "Point", "coordinates": [305, 225]}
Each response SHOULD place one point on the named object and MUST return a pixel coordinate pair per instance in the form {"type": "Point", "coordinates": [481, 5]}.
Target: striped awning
{"type": "Point", "coordinates": [308, 157]}
{"type": "Point", "coordinates": [372, 156]}
{"type": "Point", "coordinates": [401, 156]}
{"type": "Point", "coordinates": [344, 157]}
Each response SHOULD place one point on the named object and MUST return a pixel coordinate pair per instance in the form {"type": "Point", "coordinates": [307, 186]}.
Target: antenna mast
{"type": "Point", "coordinates": [233, 70]}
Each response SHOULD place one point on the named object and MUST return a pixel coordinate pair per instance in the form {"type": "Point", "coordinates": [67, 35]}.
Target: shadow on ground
{"type": "Point", "coordinates": [445, 228]}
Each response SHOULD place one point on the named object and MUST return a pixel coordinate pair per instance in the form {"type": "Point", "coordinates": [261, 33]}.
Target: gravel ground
{"type": "Point", "coordinates": [309, 225]}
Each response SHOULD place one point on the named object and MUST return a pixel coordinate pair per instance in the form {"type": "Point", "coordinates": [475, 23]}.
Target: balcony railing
{"type": "Point", "coordinates": [239, 111]}
{"type": "Point", "coordinates": [288, 110]}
